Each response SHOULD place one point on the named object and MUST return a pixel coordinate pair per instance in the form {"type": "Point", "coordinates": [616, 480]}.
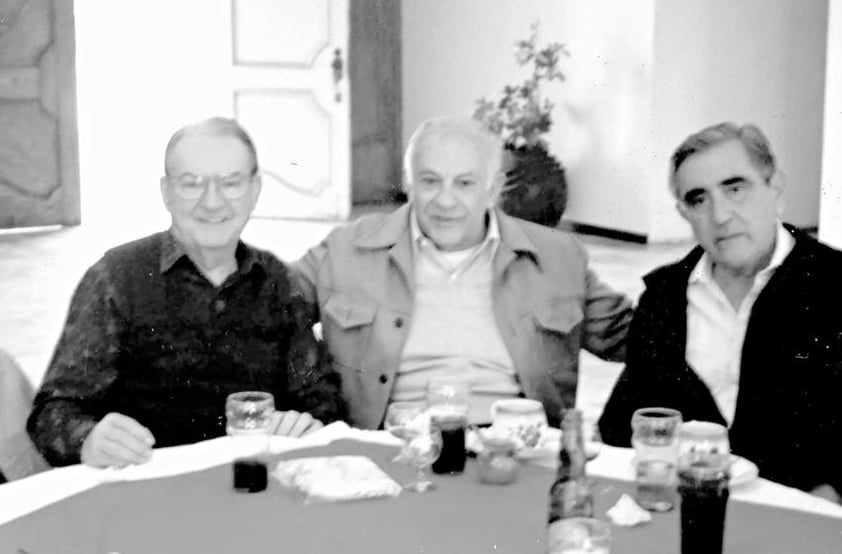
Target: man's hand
{"type": "Point", "coordinates": [827, 492]}
{"type": "Point", "coordinates": [117, 440]}
{"type": "Point", "coordinates": [294, 424]}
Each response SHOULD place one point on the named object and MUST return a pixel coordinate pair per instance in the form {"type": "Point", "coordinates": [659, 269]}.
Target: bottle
{"type": "Point", "coordinates": [570, 494]}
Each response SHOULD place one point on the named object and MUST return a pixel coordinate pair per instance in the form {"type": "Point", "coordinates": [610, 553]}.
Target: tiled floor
{"type": "Point", "coordinates": [39, 270]}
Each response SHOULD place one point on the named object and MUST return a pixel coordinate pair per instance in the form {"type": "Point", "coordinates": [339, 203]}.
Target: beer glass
{"type": "Point", "coordinates": [703, 473]}
{"type": "Point", "coordinates": [447, 404]}
{"type": "Point", "coordinates": [655, 442]}
{"type": "Point", "coordinates": [249, 425]}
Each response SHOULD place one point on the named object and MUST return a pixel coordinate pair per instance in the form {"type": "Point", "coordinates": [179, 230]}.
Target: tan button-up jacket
{"type": "Point", "coordinates": [547, 304]}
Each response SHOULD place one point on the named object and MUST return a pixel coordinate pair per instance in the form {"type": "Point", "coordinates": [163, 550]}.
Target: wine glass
{"type": "Point", "coordinates": [400, 418]}
{"type": "Point", "coordinates": [423, 448]}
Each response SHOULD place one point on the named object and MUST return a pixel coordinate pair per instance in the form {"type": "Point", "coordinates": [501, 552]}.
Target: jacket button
{"type": "Point", "coordinates": [384, 378]}
{"type": "Point", "coordinates": [398, 322]}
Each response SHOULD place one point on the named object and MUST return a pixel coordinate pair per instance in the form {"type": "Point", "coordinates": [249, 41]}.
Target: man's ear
{"type": "Point", "coordinates": [165, 192]}
{"type": "Point", "coordinates": [682, 210]}
{"type": "Point", "coordinates": [777, 182]}
{"type": "Point", "coordinates": [257, 184]}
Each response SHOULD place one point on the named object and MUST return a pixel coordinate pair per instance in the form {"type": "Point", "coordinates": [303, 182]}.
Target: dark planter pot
{"type": "Point", "coordinates": [535, 189]}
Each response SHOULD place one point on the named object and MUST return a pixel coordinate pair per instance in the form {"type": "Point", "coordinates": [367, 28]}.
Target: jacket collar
{"type": "Point", "coordinates": [393, 232]}
{"type": "Point", "coordinates": [388, 232]}
{"type": "Point", "coordinates": [682, 269]}
{"type": "Point", "coordinates": [395, 226]}
{"type": "Point", "coordinates": [513, 235]}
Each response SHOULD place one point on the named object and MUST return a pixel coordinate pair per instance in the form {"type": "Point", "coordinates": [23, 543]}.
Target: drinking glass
{"type": "Point", "coordinates": [703, 473]}
{"type": "Point", "coordinates": [249, 424]}
{"type": "Point", "coordinates": [400, 418]}
{"type": "Point", "coordinates": [655, 442]}
{"type": "Point", "coordinates": [579, 535]}
{"type": "Point", "coordinates": [447, 404]}
{"type": "Point", "coordinates": [424, 446]}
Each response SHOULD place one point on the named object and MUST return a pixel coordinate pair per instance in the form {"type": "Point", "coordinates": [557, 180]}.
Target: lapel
{"type": "Point", "coordinates": [513, 241]}
{"type": "Point", "coordinates": [392, 234]}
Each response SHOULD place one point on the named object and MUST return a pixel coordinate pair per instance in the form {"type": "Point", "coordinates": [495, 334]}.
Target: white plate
{"type": "Point", "coordinates": [742, 471]}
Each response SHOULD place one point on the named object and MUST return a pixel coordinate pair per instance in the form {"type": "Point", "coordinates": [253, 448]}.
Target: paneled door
{"type": "Point", "coordinates": [39, 165]}
{"type": "Point", "coordinates": [290, 86]}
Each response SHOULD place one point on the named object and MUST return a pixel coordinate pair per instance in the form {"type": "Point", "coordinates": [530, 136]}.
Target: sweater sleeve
{"type": "Point", "coordinates": [313, 385]}
{"type": "Point", "coordinates": [82, 369]}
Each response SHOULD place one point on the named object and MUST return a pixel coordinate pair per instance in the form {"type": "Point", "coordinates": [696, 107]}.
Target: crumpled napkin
{"type": "Point", "coordinates": [335, 478]}
{"type": "Point", "coordinates": [627, 513]}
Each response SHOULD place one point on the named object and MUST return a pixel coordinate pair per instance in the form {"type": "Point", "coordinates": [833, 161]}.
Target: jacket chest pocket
{"type": "Point", "coordinates": [557, 323]}
{"type": "Point", "coordinates": [347, 325]}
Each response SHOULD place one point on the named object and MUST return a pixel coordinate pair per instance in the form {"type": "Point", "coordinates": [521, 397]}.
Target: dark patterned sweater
{"type": "Point", "coordinates": [148, 336]}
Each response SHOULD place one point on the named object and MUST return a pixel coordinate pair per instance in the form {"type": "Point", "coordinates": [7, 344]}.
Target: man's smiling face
{"type": "Point", "coordinates": [453, 187]}
{"type": "Point", "coordinates": [211, 221]}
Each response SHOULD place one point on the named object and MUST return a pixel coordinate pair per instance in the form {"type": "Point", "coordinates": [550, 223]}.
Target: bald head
{"type": "Point", "coordinates": [455, 127]}
{"type": "Point", "coordinates": [216, 127]}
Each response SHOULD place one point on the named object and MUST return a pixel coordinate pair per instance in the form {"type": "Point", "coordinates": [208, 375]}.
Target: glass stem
{"type": "Point", "coordinates": [422, 475]}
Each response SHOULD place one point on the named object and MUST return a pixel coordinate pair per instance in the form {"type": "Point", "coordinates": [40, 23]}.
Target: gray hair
{"type": "Point", "coordinates": [455, 126]}
{"type": "Point", "coordinates": [214, 126]}
{"type": "Point", "coordinates": [750, 136]}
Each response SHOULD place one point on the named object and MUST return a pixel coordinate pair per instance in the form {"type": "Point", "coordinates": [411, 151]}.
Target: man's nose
{"type": "Point", "coordinates": [212, 197]}
{"type": "Point", "coordinates": [720, 209]}
{"type": "Point", "coordinates": [445, 198]}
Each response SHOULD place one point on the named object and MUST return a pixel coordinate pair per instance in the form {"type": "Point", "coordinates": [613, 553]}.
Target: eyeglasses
{"type": "Point", "coordinates": [192, 187]}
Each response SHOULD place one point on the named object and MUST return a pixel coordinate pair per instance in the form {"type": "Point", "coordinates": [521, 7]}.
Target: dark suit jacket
{"type": "Point", "coordinates": [788, 417]}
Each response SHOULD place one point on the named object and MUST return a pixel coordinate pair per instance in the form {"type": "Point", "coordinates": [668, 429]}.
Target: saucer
{"type": "Point", "coordinates": [742, 471]}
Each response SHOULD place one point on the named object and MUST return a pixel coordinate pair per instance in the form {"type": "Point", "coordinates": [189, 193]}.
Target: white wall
{"type": "Point", "coordinates": [642, 75]}
{"type": "Point", "coordinates": [143, 70]}
{"type": "Point", "coordinates": [830, 218]}
{"type": "Point", "coordinates": [456, 51]}
{"type": "Point", "coordinates": [760, 61]}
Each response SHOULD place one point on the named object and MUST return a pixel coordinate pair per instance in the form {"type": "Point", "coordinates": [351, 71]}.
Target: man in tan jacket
{"type": "Point", "coordinates": [448, 285]}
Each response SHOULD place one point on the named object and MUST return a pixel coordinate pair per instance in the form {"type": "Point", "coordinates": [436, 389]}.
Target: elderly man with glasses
{"type": "Point", "coordinates": [162, 329]}
{"type": "Point", "coordinates": [745, 331]}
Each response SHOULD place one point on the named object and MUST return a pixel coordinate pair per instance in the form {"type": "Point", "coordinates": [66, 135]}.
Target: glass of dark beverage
{"type": "Point", "coordinates": [249, 417]}
{"type": "Point", "coordinates": [447, 405]}
{"type": "Point", "coordinates": [703, 474]}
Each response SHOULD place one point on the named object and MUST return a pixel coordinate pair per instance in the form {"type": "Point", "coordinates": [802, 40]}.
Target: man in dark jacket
{"type": "Point", "coordinates": [746, 330]}
{"type": "Point", "coordinates": [162, 329]}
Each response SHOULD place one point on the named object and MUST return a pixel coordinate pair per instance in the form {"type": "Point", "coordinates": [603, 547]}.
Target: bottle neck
{"type": "Point", "coordinates": [572, 454]}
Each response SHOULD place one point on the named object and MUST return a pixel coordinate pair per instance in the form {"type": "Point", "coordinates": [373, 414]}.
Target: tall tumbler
{"type": "Point", "coordinates": [249, 425]}
{"type": "Point", "coordinates": [447, 404]}
{"type": "Point", "coordinates": [703, 474]}
{"type": "Point", "coordinates": [655, 442]}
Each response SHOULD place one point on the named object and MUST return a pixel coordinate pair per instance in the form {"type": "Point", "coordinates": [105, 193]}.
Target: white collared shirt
{"type": "Point", "coordinates": [458, 261]}
{"type": "Point", "coordinates": [716, 331]}
{"type": "Point", "coordinates": [453, 331]}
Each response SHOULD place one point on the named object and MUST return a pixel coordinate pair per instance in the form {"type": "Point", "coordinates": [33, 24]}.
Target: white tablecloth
{"type": "Point", "coordinates": [21, 497]}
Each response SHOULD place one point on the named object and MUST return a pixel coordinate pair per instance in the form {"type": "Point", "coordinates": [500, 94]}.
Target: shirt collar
{"type": "Point", "coordinates": [492, 234]}
{"type": "Point", "coordinates": [172, 251]}
{"type": "Point", "coordinates": [784, 243]}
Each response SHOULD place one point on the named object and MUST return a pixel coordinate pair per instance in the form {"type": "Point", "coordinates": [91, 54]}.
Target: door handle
{"type": "Point", "coordinates": [338, 68]}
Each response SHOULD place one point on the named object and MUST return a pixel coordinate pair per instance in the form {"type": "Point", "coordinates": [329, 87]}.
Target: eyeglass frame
{"type": "Point", "coordinates": [205, 180]}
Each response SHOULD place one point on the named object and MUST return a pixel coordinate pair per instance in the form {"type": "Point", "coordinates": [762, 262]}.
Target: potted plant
{"type": "Point", "coordinates": [535, 189]}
